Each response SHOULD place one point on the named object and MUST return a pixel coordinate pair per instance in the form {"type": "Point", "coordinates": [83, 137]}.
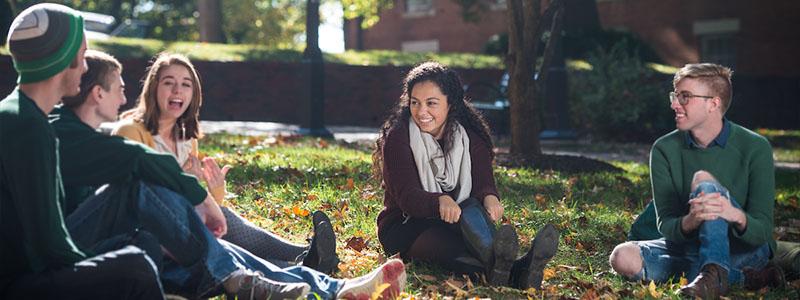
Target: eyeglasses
{"type": "Point", "coordinates": [683, 97]}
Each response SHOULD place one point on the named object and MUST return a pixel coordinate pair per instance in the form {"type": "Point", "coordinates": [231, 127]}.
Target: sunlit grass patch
{"type": "Point", "coordinates": [277, 181]}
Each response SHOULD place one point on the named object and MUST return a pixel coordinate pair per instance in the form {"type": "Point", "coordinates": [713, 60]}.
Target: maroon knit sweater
{"type": "Point", "coordinates": [403, 189]}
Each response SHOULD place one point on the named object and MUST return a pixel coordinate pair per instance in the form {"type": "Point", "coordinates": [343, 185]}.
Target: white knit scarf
{"type": "Point", "coordinates": [438, 172]}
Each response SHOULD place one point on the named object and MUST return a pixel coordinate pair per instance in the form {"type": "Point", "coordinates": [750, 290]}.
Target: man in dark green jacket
{"type": "Point", "coordinates": [38, 258]}
{"type": "Point", "coordinates": [713, 185]}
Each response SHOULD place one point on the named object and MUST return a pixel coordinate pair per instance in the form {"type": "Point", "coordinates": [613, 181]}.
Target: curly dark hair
{"type": "Point", "coordinates": [459, 109]}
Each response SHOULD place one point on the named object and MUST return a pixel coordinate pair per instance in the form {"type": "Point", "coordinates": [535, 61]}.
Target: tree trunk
{"type": "Point", "coordinates": [116, 11]}
{"type": "Point", "coordinates": [526, 26]}
{"type": "Point", "coordinates": [210, 21]}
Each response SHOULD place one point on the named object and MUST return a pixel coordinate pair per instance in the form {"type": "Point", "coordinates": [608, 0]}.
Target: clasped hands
{"type": "Point", "coordinates": [450, 212]}
{"type": "Point", "coordinates": [707, 207]}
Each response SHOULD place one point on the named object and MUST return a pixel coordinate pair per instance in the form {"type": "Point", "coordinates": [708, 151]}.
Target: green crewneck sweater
{"type": "Point", "coordinates": [90, 159]}
{"type": "Point", "coordinates": [33, 237]}
{"type": "Point", "coordinates": [743, 165]}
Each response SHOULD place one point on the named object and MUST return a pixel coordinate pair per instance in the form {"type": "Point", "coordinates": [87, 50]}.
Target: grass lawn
{"type": "Point", "coordinates": [277, 182]}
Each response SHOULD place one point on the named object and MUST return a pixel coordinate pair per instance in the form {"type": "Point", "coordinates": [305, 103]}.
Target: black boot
{"type": "Point", "coordinates": [495, 250]}
{"type": "Point", "coordinates": [528, 271]}
{"type": "Point", "coordinates": [322, 251]}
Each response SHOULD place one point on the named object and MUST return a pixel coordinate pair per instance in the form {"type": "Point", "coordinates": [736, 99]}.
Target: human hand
{"type": "Point", "coordinates": [195, 167]}
{"type": "Point", "coordinates": [449, 210]}
{"type": "Point", "coordinates": [215, 177]}
{"type": "Point", "coordinates": [715, 205]}
{"type": "Point", "coordinates": [493, 207]}
{"type": "Point", "coordinates": [212, 216]}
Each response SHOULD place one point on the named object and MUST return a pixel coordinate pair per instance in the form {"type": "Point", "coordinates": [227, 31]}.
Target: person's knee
{"type": "Point", "coordinates": [700, 177]}
{"type": "Point", "coordinates": [626, 259]}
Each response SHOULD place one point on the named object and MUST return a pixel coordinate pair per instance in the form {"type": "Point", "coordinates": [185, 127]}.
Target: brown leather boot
{"type": "Point", "coordinates": [711, 283]}
{"type": "Point", "coordinates": [771, 275]}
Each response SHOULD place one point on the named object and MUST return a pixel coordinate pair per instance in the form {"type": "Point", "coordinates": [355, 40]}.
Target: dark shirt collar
{"type": "Point", "coordinates": [721, 140]}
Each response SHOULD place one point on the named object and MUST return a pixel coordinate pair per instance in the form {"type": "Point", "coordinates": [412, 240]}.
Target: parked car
{"type": "Point", "coordinates": [102, 26]}
{"type": "Point", "coordinates": [492, 100]}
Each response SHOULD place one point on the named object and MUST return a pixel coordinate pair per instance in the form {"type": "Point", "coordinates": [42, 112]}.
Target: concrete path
{"type": "Point", "coordinates": [351, 134]}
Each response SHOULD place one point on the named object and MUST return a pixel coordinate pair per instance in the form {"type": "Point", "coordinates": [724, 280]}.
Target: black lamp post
{"type": "Point", "coordinates": [313, 63]}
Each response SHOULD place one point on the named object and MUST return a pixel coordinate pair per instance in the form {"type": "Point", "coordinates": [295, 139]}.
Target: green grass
{"type": "Point", "coordinates": [146, 48]}
{"type": "Point", "coordinates": [785, 142]}
{"type": "Point", "coordinates": [277, 181]}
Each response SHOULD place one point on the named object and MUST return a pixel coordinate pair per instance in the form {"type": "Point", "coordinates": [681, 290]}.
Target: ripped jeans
{"type": "Point", "coordinates": [663, 259]}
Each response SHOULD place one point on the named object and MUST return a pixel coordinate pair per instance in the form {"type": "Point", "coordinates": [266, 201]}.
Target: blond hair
{"type": "Point", "coordinates": [716, 77]}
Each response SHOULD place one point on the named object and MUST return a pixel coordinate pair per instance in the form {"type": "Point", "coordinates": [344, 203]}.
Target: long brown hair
{"type": "Point", "coordinates": [460, 109]}
{"type": "Point", "coordinates": [147, 111]}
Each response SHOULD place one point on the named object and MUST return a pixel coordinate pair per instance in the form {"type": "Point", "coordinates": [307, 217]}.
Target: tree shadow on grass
{"type": "Point", "coordinates": [561, 163]}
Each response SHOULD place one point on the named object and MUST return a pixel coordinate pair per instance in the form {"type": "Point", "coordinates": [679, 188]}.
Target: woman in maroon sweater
{"type": "Point", "coordinates": [434, 156]}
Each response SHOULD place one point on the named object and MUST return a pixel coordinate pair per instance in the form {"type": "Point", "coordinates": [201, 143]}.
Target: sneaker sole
{"type": "Point", "coordinates": [545, 246]}
{"type": "Point", "coordinates": [505, 248]}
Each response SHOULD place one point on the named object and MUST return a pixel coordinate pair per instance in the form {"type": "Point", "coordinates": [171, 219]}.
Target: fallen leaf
{"type": "Point", "coordinates": [349, 185]}
{"type": "Point", "coordinates": [427, 277]}
{"type": "Point", "coordinates": [453, 284]}
{"type": "Point", "coordinates": [683, 281]}
{"type": "Point", "coordinates": [379, 290]}
{"type": "Point", "coordinates": [590, 294]}
{"type": "Point", "coordinates": [549, 273]}
{"type": "Point", "coordinates": [299, 211]}
{"type": "Point", "coordinates": [652, 290]}
{"type": "Point", "coordinates": [356, 243]}
{"type": "Point", "coordinates": [579, 246]}
{"type": "Point", "coordinates": [540, 199]}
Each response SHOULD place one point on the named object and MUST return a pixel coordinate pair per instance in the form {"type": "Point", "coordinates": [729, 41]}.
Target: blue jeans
{"type": "Point", "coordinates": [201, 262]}
{"type": "Point", "coordinates": [663, 259]}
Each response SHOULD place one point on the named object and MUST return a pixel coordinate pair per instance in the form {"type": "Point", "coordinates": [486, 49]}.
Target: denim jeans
{"type": "Point", "coordinates": [663, 259]}
{"type": "Point", "coordinates": [201, 262]}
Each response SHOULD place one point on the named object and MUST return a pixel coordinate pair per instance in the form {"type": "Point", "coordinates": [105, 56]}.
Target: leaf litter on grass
{"type": "Point", "coordinates": [593, 211]}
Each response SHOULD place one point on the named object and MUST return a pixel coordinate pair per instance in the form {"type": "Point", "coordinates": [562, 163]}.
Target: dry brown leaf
{"type": "Point", "coordinates": [549, 273]}
{"type": "Point", "coordinates": [349, 185]}
{"type": "Point", "coordinates": [356, 243]}
{"type": "Point", "coordinates": [540, 199]}
{"type": "Point", "coordinates": [590, 294]}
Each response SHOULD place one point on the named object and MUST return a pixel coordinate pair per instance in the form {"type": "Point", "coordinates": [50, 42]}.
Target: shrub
{"type": "Point", "coordinates": [620, 98]}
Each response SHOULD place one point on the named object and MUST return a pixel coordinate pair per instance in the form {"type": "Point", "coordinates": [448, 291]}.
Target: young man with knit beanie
{"type": "Point", "coordinates": [714, 191]}
{"type": "Point", "coordinates": [38, 258]}
{"type": "Point", "coordinates": [148, 189]}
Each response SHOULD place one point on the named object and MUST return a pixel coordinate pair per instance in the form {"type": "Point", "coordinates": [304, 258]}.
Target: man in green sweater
{"type": "Point", "coordinates": [713, 186]}
{"type": "Point", "coordinates": [38, 258]}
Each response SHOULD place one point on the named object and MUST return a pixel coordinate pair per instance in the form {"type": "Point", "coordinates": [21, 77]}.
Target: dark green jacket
{"type": "Point", "coordinates": [743, 164]}
{"type": "Point", "coordinates": [33, 237]}
{"type": "Point", "coordinates": [90, 159]}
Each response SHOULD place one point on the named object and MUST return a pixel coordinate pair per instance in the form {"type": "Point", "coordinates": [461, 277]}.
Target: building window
{"type": "Point", "coordinates": [419, 8]}
{"type": "Point", "coordinates": [718, 49]}
{"type": "Point", "coordinates": [717, 39]}
{"type": "Point", "coordinates": [420, 46]}
{"type": "Point", "coordinates": [497, 4]}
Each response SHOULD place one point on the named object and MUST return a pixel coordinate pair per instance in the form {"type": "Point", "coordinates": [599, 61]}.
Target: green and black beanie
{"type": "Point", "coordinates": [43, 41]}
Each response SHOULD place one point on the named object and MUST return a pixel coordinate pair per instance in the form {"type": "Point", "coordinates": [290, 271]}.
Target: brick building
{"type": "Point", "coordinates": [759, 38]}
